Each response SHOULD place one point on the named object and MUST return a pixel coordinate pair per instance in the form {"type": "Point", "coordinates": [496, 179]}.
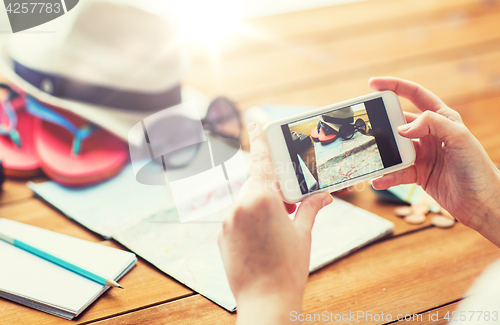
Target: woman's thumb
{"type": "Point", "coordinates": [431, 123]}
{"type": "Point", "coordinates": [310, 206]}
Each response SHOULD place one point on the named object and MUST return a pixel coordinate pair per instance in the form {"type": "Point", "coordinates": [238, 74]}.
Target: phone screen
{"type": "Point", "coordinates": [341, 145]}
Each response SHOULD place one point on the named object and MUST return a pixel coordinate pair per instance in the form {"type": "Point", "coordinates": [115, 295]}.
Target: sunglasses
{"type": "Point", "coordinates": [347, 131]}
{"type": "Point", "coordinates": [182, 139]}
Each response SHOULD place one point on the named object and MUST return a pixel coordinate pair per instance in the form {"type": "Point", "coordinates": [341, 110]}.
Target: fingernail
{"type": "Point", "coordinates": [404, 128]}
{"type": "Point", "coordinates": [327, 200]}
{"type": "Point", "coordinates": [251, 126]}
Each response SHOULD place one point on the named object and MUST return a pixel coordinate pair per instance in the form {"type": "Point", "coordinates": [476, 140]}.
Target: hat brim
{"type": "Point", "coordinates": [334, 126]}
{"type": "Point", "coordinates": [117, 121]}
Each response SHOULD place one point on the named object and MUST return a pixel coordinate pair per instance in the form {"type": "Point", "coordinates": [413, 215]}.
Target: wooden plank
{"type": "Point", "coordinates": [36, 213]}
{"type": "Point", "coordinates": [13, 190]}
{"type": "Point", "coordinates": [481, 116]}
{"type": "Point", "coordinates": [265, 34]}
{"type": "Point", "coordinates": [469, 76]}
{"type": "Point", "coordinates": [416, 270]}
{"type": "Point", "coordinates": [16, 189]}
{"type": "Point", "coordinates": [190, 310]}
{"type": "Point", "coordinates": [144, 286]}
{"type": "Point", "coordinates": [202, 311]}
{"type": "Point", "coordinates": [298, 64]}
{"type": "Point", "coordinates": [360, 16]}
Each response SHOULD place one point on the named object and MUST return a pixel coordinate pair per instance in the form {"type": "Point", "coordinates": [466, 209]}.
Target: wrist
{"type": "Point", "coordinates": [489, 221]}
{"type": "Point", "coordinates": [272, 308]}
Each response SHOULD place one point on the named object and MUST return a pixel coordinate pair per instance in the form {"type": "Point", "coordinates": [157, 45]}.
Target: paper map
{"type": "Point", "coordinates": [190, 254]}
{"type": "Point", "coordinates": [342, 160]}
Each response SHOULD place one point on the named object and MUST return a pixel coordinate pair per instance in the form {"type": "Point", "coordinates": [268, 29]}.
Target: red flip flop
{"type": "Point", "coordinates": [17, 147]}
{"type": "Point", "coordinates": [325, 134]}
{"type": "Point", "coordinates": [327, 138]}
{"type": "Point", "coordinates": [315, 132]}
{"type": "Point", "coordinates": [73, 152]}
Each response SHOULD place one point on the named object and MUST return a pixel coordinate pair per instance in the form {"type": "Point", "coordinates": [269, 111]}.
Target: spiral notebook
{"type": "Point", "coordinates": [32, 281]}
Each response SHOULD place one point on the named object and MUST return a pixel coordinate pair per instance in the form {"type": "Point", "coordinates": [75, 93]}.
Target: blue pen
{"type": "Point", "coordinates": [56, 260]}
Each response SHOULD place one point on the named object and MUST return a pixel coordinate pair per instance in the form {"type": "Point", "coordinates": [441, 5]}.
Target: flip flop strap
{"type": "Point", "coordinates": [326, 128]}
{"type": "Point", "coordinates": [11, 129]}
{"type": "Point", "coordinates": [37, 109]}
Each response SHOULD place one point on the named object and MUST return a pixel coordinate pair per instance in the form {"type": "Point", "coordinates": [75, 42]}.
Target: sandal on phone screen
{"type": "Point", "coordinates": [324, 134]}
{"type": "Point", "coordinates": [315, 133]}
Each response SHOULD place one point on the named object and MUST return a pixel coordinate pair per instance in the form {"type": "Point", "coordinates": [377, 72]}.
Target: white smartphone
{"type": "Point", "coordinates": [333, 147]}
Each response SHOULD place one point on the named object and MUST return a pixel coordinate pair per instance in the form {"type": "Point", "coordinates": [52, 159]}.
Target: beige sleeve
{"type": "Point", "coordinates": [482, 302]}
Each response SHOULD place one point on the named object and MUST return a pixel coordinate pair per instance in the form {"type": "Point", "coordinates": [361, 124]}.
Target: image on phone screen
{"type": "Point", "coordinates": [341, 145]}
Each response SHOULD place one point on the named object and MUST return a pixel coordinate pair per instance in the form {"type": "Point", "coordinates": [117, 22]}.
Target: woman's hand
{"type": "Point", "coordinates": [265, 254]}
{"type": "Point", "coordinates": [451, 165]}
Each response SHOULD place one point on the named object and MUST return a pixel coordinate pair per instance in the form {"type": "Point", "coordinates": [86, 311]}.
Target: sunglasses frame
{"type": "Point", "coordinates": [209, 126]}
{"type": "Point", "coordinates": [359, 125]}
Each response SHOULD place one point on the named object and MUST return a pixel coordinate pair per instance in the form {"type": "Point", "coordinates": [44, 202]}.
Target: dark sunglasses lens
{"type": "Point", "coordinates": [224, 118]}
{"type": "Point", "coordinates": [361, 126]}
{"type": "Point", "coordinates": [346, 131]}
{"type": "Point", "coordinates": [175, 138]}
{"type": "Point", "coordinates": [181, 157]}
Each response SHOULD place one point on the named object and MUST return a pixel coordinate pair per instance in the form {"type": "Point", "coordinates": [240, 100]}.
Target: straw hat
{"type": "Point", "coordinates": [339, 117]}
{"type": "Point", "coordinates": [112, 64]}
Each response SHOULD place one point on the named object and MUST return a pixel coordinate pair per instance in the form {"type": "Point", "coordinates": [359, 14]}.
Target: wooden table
{"type": "Point", "coordinates": [318, 57]}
